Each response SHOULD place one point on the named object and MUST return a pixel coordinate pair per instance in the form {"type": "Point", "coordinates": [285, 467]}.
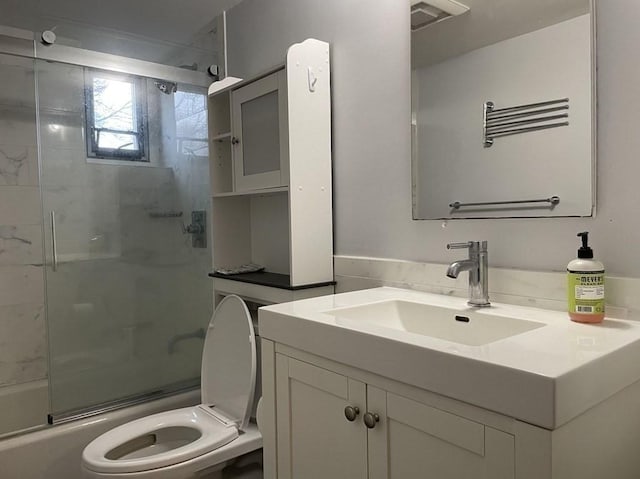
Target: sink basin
{"type": "Point", "coordinates": [459, 326]}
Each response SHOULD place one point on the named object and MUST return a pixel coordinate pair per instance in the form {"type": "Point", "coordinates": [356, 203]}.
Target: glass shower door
{"type": "Point", "coordinates": [124, 169]}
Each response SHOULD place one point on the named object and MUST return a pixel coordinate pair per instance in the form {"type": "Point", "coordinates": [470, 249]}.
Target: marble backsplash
{"type": "Point", "coordinates": [539, 289]}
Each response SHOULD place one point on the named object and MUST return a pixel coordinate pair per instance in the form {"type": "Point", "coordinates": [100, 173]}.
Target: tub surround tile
{"type": "Point", "coordinates": [21, 285]}
{"type": "Point", "coordinates": [62, 129]}
{"type": "Point", "coordinates": [20, 205]}
{"type": "Point", "coordinates": [18, 165]}
{"type": "Point", "coordinates": [28, 403]}
{"type": "Point", "coordinates": [18, 81]}
{"type": "Point", "coordinates": [64, 166]}
{"type": "Point", "coordinates": [20, 245]}
{"type": "Point", "coordinates": [17, 126]}
{"type": "Point", "coordinates": [87, 218]}
{"type": "Point", "coordinates": [17, 369]}
{"type": "Point", "coordinates": [61, 87]}
{"type": "Point", "coordinates": [22, 343]}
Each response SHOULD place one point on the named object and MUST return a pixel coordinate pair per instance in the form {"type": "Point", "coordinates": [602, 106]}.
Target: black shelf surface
{"type": "Point", "coordinates": [273, 280]}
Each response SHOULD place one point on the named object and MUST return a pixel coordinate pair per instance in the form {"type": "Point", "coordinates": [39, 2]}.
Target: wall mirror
{"type": "Point", "coordinates": [503, 108]}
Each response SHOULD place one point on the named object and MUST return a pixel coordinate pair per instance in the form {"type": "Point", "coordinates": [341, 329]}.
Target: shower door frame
{"type": "Point", "coordinates": [26, 47]}
{"type": "Point", "coordinates": [22, 43]}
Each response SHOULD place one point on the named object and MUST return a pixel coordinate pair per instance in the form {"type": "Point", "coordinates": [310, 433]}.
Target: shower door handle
{"type": "Point", "coordinates": [54, 246]}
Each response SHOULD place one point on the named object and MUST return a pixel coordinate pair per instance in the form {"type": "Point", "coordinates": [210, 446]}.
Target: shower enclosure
{"type": "Point", "coordinates": [119, 151]}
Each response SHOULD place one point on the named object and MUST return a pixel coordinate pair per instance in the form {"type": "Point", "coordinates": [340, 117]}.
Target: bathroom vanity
{"type": "Point", "coordinates": [391, 383]}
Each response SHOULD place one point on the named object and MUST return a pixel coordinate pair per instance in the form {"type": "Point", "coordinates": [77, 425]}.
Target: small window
{"type": "Point", "coordinates": [191, 123]}
{"type": "Point", "coordinates": [116, 116]}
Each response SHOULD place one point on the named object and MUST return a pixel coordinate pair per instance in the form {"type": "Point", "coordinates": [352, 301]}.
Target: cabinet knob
{"type": "Point", "coordinates": [370, 420]}
{"type": "Point", "coordinates": [235, 140]}
{"type": "Point", "coordinates": [351, 413]}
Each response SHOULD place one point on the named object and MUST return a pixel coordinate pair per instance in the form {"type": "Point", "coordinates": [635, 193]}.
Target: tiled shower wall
{"type": "Point", "coordinates": [22, 325]}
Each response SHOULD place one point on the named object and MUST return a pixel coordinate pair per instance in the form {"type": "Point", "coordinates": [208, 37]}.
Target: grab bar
{"type": "Point", "coordinates": [553, 201]}
{"type": "Point", "coordinates": [54, 246]}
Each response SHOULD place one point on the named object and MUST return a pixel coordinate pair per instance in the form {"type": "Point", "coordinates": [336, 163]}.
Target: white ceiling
{"type": "Point", "coordinates": [488, 22]}
{"type": "Point", "coordinates": [174, 21]}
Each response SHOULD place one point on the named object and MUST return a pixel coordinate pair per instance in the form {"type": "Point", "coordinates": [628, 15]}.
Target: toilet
{"type": "Point", "coordinates": [197, 440]}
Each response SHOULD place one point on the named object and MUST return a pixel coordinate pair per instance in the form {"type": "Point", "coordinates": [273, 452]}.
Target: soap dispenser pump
{"type": "Point", "coordinates": [585, 281]}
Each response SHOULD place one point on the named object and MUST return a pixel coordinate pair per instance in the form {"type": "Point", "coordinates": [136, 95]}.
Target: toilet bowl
{"type": "Point", "coordinates": [180, 443]}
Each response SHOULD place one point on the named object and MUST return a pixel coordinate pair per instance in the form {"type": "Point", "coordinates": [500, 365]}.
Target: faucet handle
{"type": "Point", "coordinates": [467, 244]}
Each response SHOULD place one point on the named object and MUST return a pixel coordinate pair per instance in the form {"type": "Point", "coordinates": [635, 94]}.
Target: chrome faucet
{"type": "Point", "coordinates": [478, 268]}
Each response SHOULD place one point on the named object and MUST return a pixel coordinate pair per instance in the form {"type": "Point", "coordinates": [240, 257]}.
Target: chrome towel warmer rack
{"type": "Point", "coordinates": [523, 118]}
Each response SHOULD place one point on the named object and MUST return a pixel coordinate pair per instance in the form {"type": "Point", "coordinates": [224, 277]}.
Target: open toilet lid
{"type": "Point", "coordinates": [229, 361]}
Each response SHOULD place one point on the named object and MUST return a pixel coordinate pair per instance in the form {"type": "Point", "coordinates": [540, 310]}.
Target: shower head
{"type": "Point", "coordinates": [166, 87]}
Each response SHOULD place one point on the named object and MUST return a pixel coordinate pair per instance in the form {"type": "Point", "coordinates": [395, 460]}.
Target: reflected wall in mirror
{"type": "Point", "coordinates": [503, 111]}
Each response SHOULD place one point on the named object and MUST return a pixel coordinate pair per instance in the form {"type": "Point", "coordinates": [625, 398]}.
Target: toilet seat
{"type": "Point", "coordinates": [229, 361]}
{"type": "Point", "coordinates": [167, 439]}
{"type": "Point", "coordinates": [212, 435]}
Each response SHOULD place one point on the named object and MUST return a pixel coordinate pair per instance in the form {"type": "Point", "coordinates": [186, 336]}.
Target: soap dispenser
{"type": "Point", "coordinates": [585, 278]}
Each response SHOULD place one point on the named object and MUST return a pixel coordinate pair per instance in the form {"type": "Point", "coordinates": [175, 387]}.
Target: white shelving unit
{"type": "Point", "coordinates": [281, 217]}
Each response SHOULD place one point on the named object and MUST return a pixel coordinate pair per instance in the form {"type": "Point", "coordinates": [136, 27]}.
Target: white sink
{"type": "Point", "coordinates": [458, 326]}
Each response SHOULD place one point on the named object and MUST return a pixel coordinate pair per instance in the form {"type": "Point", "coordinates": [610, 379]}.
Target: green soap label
{"type": "Point", "coordinates": [586, 292]}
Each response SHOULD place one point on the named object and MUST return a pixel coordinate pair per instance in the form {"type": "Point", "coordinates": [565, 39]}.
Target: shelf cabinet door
{"type": "Point", "coordinates": [417, 440]}
{"type": "Point", "coordinates": [315, 440]}
{"type": "Point", "coordinates": [259, 133]}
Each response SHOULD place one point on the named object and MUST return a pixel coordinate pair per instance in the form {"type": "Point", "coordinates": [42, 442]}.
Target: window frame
{"type": "Point", "coordinates": [141, 115]}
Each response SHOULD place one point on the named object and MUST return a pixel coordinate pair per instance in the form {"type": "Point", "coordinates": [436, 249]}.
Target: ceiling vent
{"type": "Point", "coordinates": [432, 11]}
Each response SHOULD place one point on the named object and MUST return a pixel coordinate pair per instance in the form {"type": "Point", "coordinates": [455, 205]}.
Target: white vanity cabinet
{"type": "Point", "coordinates": [315, 439]}
{"type": "Point", "coordinates": [307, 434]}
{"type": "Point", "coordinates": [413, 437]}
{"type": "Point", "coordinates": [319, 436]}
{"type": "Point", "coordinates": [560, 401]}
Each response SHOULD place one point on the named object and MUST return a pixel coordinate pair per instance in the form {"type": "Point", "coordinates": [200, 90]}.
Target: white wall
{"type": "Point", "coordinates": [371, 140]}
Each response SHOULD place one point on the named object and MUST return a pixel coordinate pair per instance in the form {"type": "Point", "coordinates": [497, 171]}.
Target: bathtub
{"type": "Point", "coordinates": [55, 451]}
{"type": "Point", "coordinates": [23, 406]}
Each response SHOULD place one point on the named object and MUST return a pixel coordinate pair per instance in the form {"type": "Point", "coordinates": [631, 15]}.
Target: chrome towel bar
{"type": "Point", "coordinates": [553, 201]}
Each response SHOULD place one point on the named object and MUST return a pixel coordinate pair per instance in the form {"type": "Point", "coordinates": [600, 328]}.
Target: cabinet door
{"type": "Point", "coordinates": [260, 143]}
{"type": "Point", "coordinates": [414, 440]}
{"type": "Point", "coordinates": [315, 440]}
